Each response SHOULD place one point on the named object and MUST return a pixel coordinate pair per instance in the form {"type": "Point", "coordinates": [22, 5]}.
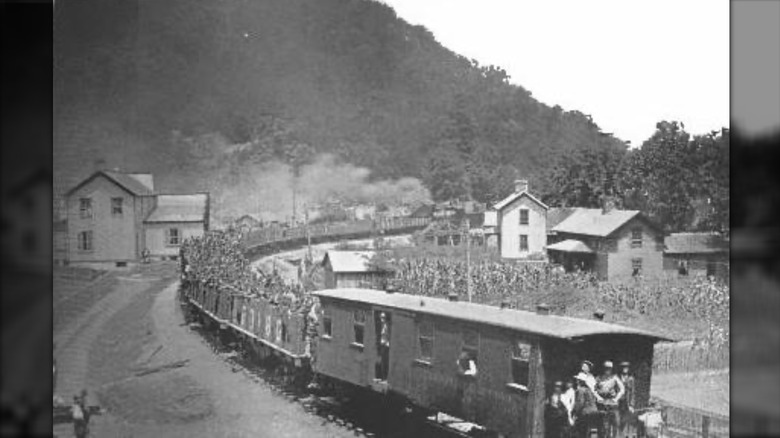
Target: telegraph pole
{"type": "Point", "coordinates": [308, 232]}
{"type": "Point", "coordinates": [468, 258]}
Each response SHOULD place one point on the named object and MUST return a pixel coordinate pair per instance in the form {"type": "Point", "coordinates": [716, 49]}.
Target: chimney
{"type": "Point", "coordinates": [452, 297]}
{"type": "Point", "coordinates": [542, 309]}
{"type": "Point", "coordinates": [607, 204]}
{"type": "Point", "coordinates": [521, 185]}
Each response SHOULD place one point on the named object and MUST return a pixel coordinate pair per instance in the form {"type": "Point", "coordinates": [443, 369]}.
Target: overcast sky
{"type": "Point", "coordinates": [629, 64]}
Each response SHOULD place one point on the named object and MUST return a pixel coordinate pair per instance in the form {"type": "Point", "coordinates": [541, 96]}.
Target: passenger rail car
{"type": "Point", "coordinates": [518, 355]}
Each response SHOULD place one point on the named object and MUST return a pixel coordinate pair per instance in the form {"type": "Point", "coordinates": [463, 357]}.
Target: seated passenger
{"type": "Point", "coordinates": [467, 364]}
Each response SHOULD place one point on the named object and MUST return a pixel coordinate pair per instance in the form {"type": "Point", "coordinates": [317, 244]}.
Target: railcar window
{"type": "Point", "coordinates": [426, 341]}
{"type": "Point", "coordinates": [471, 343]}
{"type": "Point", "coordinates": [359, 324]}
{"type": "Point", "coordinates": [521, 356]}
{"type": "Point", "coordinates": [327, 327]}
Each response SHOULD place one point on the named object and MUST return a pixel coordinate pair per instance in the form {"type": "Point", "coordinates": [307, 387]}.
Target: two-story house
{"type": "Point", "coordinates": [615, 244]}
{"type": "Point", "coordinates": [520, 220]}
{"type": "Point", "coordinates": [113, 216]}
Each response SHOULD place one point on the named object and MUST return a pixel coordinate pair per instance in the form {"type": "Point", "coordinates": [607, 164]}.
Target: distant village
{"type": "Point", "coordinates": [116, 218]}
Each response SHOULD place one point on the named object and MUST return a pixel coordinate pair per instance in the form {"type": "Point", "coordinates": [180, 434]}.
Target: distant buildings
{"type": "Point", "coordinates": [352, 269]}
{"type": "Point", "coordinates": [114, 216]}
{"type": "Point", "coordinates": [615, 244]}
{"type": "Point", "coordinates": [697, 254]}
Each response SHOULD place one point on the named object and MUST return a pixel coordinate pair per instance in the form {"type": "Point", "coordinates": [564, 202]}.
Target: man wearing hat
{"type": "Point", "coordinates": [626, 403]}
{"type": "Point", "coordinates": [556, 414]}
{"type": "Point", "coordinates": [609, 391]}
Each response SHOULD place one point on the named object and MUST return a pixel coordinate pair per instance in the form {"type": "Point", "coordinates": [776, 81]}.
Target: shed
{"type": "Point", "coordinates": [352, 269]}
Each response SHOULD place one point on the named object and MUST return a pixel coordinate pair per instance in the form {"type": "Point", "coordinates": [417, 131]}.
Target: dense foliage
{"type": "Point", "coordinates": [202, 92]}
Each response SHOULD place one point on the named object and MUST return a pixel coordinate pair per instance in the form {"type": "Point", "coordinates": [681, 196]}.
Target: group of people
{"type": "Point", "coordinates": [604, 403]}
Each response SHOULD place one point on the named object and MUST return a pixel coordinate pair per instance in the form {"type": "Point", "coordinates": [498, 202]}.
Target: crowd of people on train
{"type": "Point", "coordinates": [584, 403]}
{"type": "Point", "coordinates": [216, 260]}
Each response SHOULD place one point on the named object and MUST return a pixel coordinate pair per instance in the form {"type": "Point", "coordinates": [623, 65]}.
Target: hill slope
{"type": "Point", "coordinates": [199, 90]}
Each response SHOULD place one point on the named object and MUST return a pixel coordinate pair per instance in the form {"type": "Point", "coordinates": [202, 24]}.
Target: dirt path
{"type": "Point", "coordinates": [139, 324]}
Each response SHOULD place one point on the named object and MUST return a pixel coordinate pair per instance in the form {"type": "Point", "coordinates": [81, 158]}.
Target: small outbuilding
{"type": "Point", "coordinates": [353, 269]}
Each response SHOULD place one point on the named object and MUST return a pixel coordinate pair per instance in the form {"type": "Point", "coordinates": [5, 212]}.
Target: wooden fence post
{"type": "Point", "coordinates": [705, 426]}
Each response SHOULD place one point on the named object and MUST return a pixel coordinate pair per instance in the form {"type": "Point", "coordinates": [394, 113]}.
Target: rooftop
{"type": "Point", "coordinates": [570, 245]}
{"type": "Point", "coordinates": [557, 215]}
{"type": "Point", "coordinates": [514, 196]}
{"type": "Point", "coordinates": [350, 261]}
{"type": "Point", "coordinates": [179, 208]}
{"type": "Point", "coordinates": [546, 325]}
{"type": "Point", "coordinates": [594, 222]}
{"type": "Point", "coordinates": [139, 184]}
{"type": "Point", "coordinates": [696, 243]}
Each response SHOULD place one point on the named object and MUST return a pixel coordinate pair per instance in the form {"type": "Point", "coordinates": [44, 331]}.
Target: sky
{"type": "Point", "coordinates": [628, 64]}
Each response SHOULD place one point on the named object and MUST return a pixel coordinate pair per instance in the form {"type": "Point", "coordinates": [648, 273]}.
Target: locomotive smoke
{"type": "Point", "coordinates": [266, 191]}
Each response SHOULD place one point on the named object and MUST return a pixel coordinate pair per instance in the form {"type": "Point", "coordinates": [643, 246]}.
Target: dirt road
{"type": "Point", "coordinates": [138, 326]}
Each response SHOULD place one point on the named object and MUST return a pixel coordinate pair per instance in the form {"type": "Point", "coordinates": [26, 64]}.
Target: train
{"type": "Point", "coordinates": [406, 349]}
{"type": "Point", "coordinates": [264, 241]}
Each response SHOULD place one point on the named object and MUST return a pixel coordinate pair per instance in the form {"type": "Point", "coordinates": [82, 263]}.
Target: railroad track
{"type": "Point", "coordinates": [363, 419]}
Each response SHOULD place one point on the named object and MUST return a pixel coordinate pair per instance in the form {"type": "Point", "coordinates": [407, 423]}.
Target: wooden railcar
{"type": "Point", "coordinates": [518, 354]}
{"type": "Point", "coordinates": [267, 329]}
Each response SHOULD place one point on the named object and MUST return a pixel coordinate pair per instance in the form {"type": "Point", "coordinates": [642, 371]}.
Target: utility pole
{"type": "Point", "coordinates": [308, 232]}
{"type": "Point", "coordinates": [468, 258]}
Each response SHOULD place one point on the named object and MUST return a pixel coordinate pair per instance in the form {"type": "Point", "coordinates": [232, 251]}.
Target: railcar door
{"type": "Point", "coordinates": [382, 327]}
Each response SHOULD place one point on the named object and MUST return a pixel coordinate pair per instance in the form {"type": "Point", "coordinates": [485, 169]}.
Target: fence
{"type": "Point", "coordinates": [683, 421]}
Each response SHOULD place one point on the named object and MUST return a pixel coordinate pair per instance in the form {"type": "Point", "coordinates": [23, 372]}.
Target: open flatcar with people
{"type": "Point", "coordinates": [492, 366]}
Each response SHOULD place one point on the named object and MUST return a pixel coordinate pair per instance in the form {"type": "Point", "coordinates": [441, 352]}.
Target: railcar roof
{"type": "Point", "coordinates": [546, 325]}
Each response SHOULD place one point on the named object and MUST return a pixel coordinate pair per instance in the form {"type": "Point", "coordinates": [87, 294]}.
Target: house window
{"type": "Point", "coordinates": [116, 206]}
{"type": "Point", "coordinates": [521, 357]}
{"type": "Point", "coordinates": [636, 238]}
{"type": "Point", "coordinates": [636, 267]}
{"type": "Point", "coordinates": [426, 341]}
{"type": "Point", "coordinates": [173, 238]}
{"type": "Point", "coordinates": [85, 241]}
{"type": "Point", "coordinates": [327, 326]}
{"type": "Point", "coordinates": [359, 325]}
{"type": "Point", "coordinates": [523, 242]}
{"type": "Point", "coordinates": [523, 216]}
{"type": "Point", "coordinates": [85, 208]}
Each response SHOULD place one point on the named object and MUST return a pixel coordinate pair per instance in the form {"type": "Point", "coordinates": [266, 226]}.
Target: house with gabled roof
{"type": "Point", "coordinates": [614, 244]}
{"type": "Point", "coordinates": [114, 216]}
{"type": "Point", "coordinates": [521, 223]}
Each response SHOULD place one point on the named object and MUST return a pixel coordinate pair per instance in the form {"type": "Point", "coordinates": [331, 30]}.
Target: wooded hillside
{"type": "Point", "coordinates": [205, 92]}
